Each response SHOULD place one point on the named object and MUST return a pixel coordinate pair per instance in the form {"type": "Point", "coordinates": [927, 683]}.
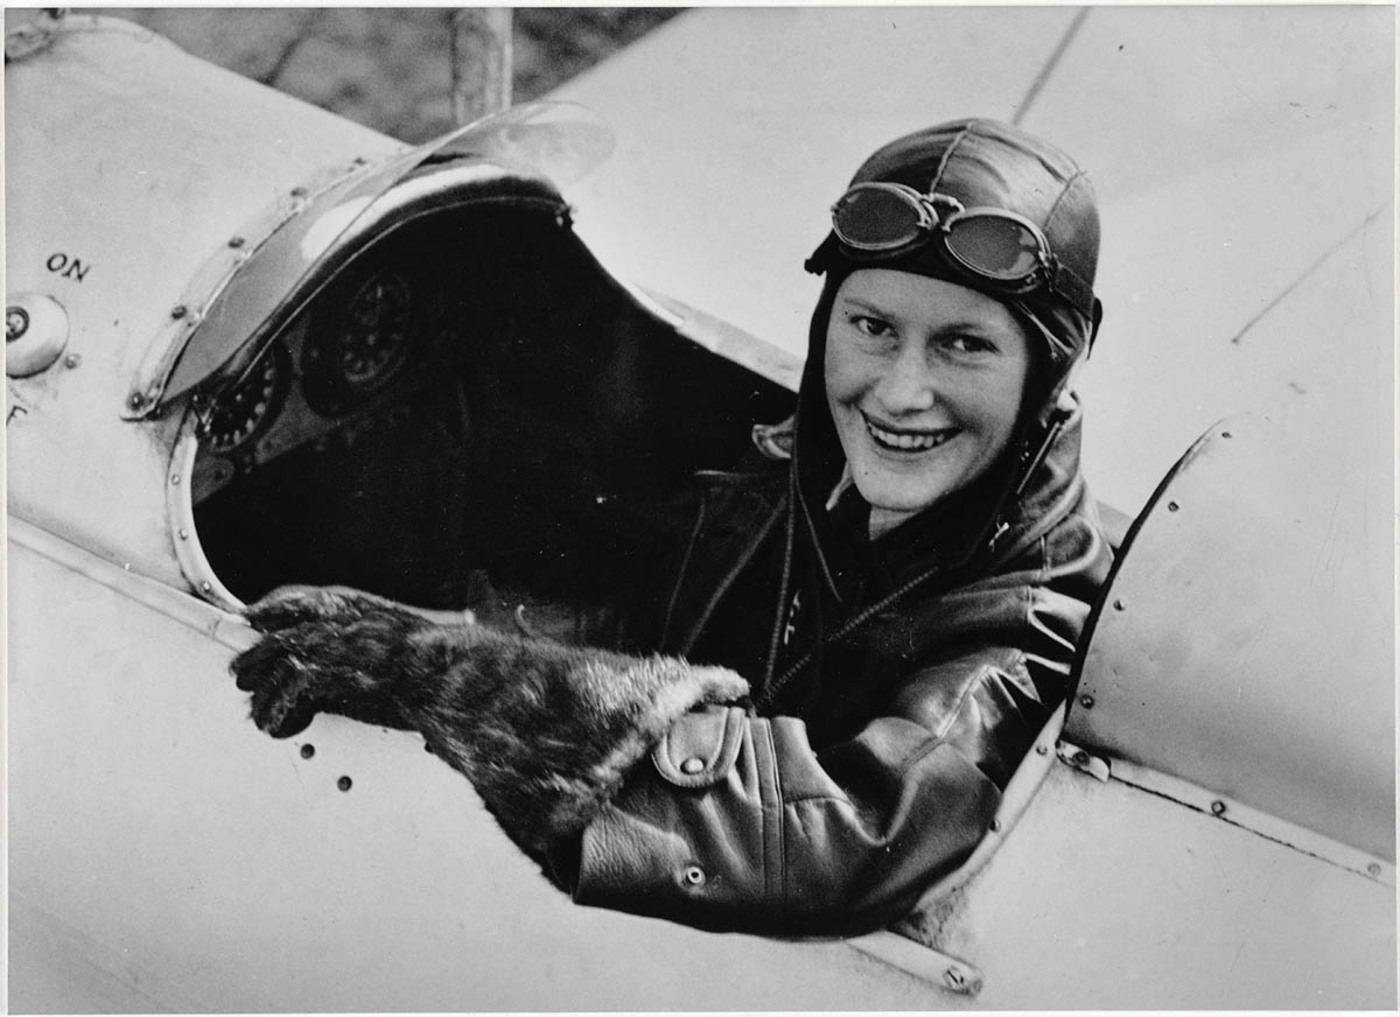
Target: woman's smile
{"type": "Point", "coordinates": [924, 381]}
{"type": "Point", "coordinates": [902, 441]}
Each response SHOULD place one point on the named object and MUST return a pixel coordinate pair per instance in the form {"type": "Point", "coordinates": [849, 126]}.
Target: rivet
{"type": "Point", "coordinates": [72, 360]}
{"type": "Point", "coordinates": [136, 401]}
{"type": "Point", "coordinates": [1226, 434]}
{"type": "Point", "coordinates": [344, 783]}
{"type": "Point", "coordinates": [236, 241]}
{"type": "Point", "coordinates": [179, 311]}
{"type": "Point", "coordinates": [1087, 702]}
{"type": "Point", "coordinates": [1118, 605]}
{"type": "Point", "coordinates": [206, 587]}
{"type": "Point", "coordinates": [600, 499]}
{"type": "Point", "coordinates": [1374, 868]}
{"type": "Point", "coordinates": [693, 765]}
{"type": "Point", "coordinates": [1217, 808]}
{"type": "Point", "coordinates": [996, 825]}
{"type": "Point", "coordinates": [16, 322]}
{"type": "Point", "coordinates": [1172, 506]}
{"type": "Point", "coordinates": [1041, 750]}
{"type": "Point", "coordinates": [184, 533]}
{"type": "Point", "coordinates": [175, 480]}
{"type": "Point", "coordinates": [693, 875]}
{"type": "Point", "coordinates": [1080, 758]}
{"type": "Point", "coordinates": [307, 751]}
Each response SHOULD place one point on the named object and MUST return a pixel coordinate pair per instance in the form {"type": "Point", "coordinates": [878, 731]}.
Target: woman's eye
{"type": "Point", "coordinates": [874, 327]}
{"type": "Point", "coordinates": [970, 344]}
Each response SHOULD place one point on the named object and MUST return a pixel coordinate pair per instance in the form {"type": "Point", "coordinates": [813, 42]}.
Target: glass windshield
{"type": "Point", "coordinates": [559, 141]}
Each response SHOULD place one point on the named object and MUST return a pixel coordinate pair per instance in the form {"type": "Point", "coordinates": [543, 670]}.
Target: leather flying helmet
{"type": "Point", "coordinates": [986, 205]}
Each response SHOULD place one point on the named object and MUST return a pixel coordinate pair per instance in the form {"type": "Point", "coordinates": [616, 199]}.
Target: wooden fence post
{"type": "Point", "coordinates": [481, 61]}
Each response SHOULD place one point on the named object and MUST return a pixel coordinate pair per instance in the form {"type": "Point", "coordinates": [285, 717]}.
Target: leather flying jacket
{"type": "Point", "coordinates": [897, 685]}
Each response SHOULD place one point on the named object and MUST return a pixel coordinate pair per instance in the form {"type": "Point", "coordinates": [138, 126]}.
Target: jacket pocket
{"type": "Point", "coordinates": [700, 749]}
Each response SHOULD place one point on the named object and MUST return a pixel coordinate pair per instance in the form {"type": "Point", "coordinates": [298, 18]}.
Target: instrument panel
{"type": "Point", "coordinates": [367, 340]}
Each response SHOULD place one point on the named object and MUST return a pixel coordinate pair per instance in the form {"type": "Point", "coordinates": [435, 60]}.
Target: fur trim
{"type": "Point", "coordinates": [545, 732]}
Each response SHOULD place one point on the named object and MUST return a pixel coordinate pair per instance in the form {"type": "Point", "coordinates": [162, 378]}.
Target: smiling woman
{"type": "Point", "coordinates": [924, 380]}
{"type": "Point", "coordinates": [804, 712]}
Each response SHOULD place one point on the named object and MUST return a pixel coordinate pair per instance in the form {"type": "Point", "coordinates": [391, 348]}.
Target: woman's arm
{"type": "Point", "coordinates": [543, 730]}
{"type": "Point", "coordinates": [734, 822]}
{"type": "Point", "coordinates": [769, 835]}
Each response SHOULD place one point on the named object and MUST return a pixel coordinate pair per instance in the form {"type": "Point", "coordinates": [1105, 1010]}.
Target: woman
{"type": "Point", "coordinates": [881, 616]}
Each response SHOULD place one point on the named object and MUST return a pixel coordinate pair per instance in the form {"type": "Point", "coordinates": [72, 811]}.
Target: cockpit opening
{"type": "Point", "coordinates": [471, 403]}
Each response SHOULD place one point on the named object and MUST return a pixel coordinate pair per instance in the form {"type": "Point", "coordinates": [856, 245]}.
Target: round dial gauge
{"type": "Point", "coordinates": [376, 331]}
{"type": "Point", "coordinates": [363, 347]}
{"type": "Point", "coordinates": [246, 409]}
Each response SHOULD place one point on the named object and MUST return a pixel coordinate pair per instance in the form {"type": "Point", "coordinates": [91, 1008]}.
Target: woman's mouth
{"type": "Point", "coordinates": [907, 441]}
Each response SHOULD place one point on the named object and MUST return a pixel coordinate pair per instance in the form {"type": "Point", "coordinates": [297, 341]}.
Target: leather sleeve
{"type": "Point", "coordinates": [736, 823]}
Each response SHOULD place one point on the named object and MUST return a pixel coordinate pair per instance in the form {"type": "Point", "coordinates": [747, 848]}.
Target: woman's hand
{"type": "Point", "coordinates": [328, 649]}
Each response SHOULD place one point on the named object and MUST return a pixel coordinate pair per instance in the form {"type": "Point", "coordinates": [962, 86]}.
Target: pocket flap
{"type": "Point", "coordinates": [700, 748]}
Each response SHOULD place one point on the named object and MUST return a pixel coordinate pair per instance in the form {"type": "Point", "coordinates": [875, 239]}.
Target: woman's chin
{"type": "Point", "coordinates": [899, 499]}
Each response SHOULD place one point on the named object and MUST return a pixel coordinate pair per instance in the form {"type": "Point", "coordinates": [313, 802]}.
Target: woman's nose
{"type": "Point", "coordinates": [908, 384]}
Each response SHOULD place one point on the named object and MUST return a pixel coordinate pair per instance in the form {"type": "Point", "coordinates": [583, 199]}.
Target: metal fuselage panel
{"type": "Point", "coordinates": [167, 854]}
{"type": "Point", "coordinates": [1247, 643]}
{"type": "Point", "coordinates": [129, 164]}
{"type": "Point", "coordinates": [155, 834]}
{"type": "Point", "coordinates": [1106, 897]}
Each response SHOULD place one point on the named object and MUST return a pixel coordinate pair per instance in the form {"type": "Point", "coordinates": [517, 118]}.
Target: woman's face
{"type": "Point", "coordinates": [924, 379]}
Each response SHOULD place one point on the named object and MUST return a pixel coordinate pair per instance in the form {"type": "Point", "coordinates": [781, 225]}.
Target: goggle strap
{"type": "Point", "coordinates": [1064, 282]}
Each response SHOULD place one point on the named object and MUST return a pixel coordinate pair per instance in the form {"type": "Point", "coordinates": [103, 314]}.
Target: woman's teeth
{"type": "Point", "coordinates": [908, 442]}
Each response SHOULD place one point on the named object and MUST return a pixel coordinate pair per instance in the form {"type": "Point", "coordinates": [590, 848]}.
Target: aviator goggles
{"type": "Point", "coordinates": [1005, 250]}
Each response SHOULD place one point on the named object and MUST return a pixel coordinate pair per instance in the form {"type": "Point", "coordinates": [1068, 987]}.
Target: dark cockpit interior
{"type": "Point", "coordinates": [471, 402]}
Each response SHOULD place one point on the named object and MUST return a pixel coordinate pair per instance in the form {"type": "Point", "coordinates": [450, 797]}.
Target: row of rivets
{"type": "Point", "coordinates": [344, 783]}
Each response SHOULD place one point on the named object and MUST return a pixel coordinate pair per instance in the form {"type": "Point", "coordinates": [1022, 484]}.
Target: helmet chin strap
{"type": "Point", "coordinates": [1040, 432]}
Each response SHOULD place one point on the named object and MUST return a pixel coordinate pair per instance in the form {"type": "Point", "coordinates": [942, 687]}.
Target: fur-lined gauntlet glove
{"type": "Point", "coordinates": [544, 731]}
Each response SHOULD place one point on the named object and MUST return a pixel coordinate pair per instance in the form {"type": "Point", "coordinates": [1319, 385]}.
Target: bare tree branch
{"type": "Point", "coordinates": [289, 48]}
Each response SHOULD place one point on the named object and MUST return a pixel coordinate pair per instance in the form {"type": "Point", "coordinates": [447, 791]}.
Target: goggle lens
{"type": "Point", "coordinates": [994, 246]}
{"type": "Point", "coordinates": [876, 219]}
{"type": "Point", "coordinates": [999, 246]}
